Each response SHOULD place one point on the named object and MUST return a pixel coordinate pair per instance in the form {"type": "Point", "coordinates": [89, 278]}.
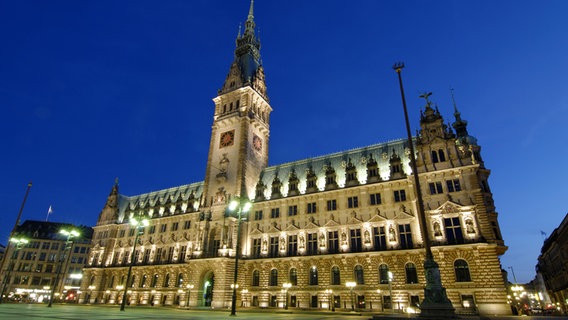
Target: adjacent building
{"type": "Point", "coordinates": [315, 225]}
{"type": "Point", "coordinates": [553, 265]}
{"type": "Point", "coordinates": [41, 257]}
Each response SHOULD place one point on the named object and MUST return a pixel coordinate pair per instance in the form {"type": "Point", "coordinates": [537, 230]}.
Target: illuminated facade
{"type": "Point", "coordinates": [316, 224]}
{"type": "Point", "coordinates": [552, 263]}
{"type": "Point", "coordinates": [46, 260]}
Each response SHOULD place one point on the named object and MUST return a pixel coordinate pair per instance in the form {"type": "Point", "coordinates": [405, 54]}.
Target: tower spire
{"type": "Point", "coordinates": [246, 69]}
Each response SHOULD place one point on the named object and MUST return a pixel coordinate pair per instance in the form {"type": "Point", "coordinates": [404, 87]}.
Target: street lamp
{"type": "Point", "coordinates": [329, 293]}
{"type": "Point", "coordinates": [18, 244]}
{"type": "Point", "coordinates": [390, 291]}
{"type": "Point", "coordinates": [436, 303]}
{"type": "Point", "coordinates": [240, 206]}
{"type": "Point", "coordinates": [68, 243]}
{"type": "Point", "coordinates": [286, 286]}
{"type": "Point", "coordinates": [138, 223]}
{"type": "Point", "coordinates": [351, 285]}
{"type": "Point", "coordinates": [189, 287]}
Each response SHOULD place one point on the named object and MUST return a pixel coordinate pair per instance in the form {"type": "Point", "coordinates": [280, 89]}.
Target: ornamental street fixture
{"type": "Point", "coordinates": [286, 286]}
{"type": "Point", "coordinates": [331, 302]}
{"type": "Point", "coordinates": [390, 291]}
{"type": "Point", "coordinates": [238, 206]}
{"type": "Point", "coordinates": [18, 244]}
{"type": "Point", "coordinates": [436, 303]}
{"type": "Point", "coordinates": [138, 223]}
{"type": "Point", "coordinates": [351, 285]}
{"type": "Point", "coordinates": [189, 287]}
{"type": "Point", "coordinates": [70, 234]}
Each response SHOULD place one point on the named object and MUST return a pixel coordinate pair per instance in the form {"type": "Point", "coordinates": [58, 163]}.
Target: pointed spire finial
{"type": "Point", "coordinates": [251, 10]}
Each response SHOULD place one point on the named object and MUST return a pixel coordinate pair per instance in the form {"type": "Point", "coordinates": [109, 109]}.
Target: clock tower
{"type": "Point", "coordinates": [238, 149]}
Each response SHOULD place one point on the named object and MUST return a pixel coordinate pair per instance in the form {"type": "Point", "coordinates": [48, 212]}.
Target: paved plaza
{"type": "Point", "coordinates": [98, 312]}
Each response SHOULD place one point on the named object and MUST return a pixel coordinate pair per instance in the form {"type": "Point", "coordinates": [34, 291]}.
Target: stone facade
{"type": "Point", "coordinates": [315, 224]}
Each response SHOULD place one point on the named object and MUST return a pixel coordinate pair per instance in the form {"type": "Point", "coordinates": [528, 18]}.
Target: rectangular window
{"type": "Point", "coordinates": [131, 232]}
{"type": "Point", "coordinates": [292, 245]}
{"type": "Point", "coordinates": [158, 258]}
{"type": "Point", "coordinates": [453, 228]}
{"type": "Point", "coordinates": [45, 246]}
{"type": "Point", "coordinates": [275, 212]}
{"type": "Point", "coordinates": [163, 227]}
{"type": "Point", "coordinates": [399, 195]}
{"type": "Point", "coordinates": [175, 226]}
{"type": "Point", "coordinates": [258, 215]}
{"type": "Point", "coordinates": [292, 210]}
{"type": "Point", "coordinates": [312, 208]}
{"type": "Point", "coordinates": [380, 238]}
{"type": "Point", "coordinates": [186, 224]}
{"type": "Point", "coordinates": [353, 202]}
{"type": "Point", "coordinates": [152, 229]}
{"type": "Point", "coordinates": [331, 205]}
{"type": "Point", "coordinates": [375, 199]}
{"type": "Point", "coordinates": [121, 233]}
{"type": "Point", "coordinates": [312, 243]}
{"type": "Point", "coordinates": [256, 248]}
{"type": "Point", "coordinates": [332, 242]}
{"type": "Point", "coordinates": [405, 236]}
{"type": "Point", "coordinates": [453, 185]}
{"type": "Point", "coordinates": [436, 188]}
{"type": "Point", "coordinates": [182, 253]}
{"type": "Point", "coordinates": [273, 250]}
{"type": "Point", "coordinates": [356, 245]}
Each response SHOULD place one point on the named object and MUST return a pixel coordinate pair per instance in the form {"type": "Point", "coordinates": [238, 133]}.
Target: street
{"type": "Point", "coordinates": [98, 312]}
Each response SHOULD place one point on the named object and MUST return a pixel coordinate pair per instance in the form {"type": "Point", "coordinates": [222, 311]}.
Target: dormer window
{"type": "Point", "coordinates": [438, 156]}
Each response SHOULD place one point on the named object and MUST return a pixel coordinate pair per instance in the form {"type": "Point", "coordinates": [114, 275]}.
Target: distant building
{"type": "Point", "coordinates": [553, 265]}
{"type": "Point", "coordinates": [33, 265]}
{"type": "Point", "coordinates": [315, 224]}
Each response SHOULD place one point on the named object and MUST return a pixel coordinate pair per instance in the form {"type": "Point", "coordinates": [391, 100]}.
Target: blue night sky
{"type": "Point", "coordinates": [94, 90]}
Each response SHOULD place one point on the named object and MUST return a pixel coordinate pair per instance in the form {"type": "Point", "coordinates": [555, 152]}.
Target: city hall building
{"type": "Point", "coordinates": [315, 224]}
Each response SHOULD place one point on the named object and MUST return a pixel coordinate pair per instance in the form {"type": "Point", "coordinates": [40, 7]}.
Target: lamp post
{"type": "Point", "coordinates": [138, 223]}
{"type": "Point", "coordinates": [351, 285]}
{"type": "Point", "coordinates": [240, 206]}
{"type": "Point", "coordinates": [390, 291]}
{"type": "Point", "coordinates": [68, 243]}
{"type": "Point", "coordinates": [18, 244]}
{"type": "Point", "coordinates": [189, 287]}
{"type": "Point", "coordinates": [7, 252]}
{"type": "Point", "coordinates": [436, 303]}
{"type": "Point", "coordinates": [286, 286]}
{"type": "Point", "coordinates": [329, 293]}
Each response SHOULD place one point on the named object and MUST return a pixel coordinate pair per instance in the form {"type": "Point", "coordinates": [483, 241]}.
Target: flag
{"type": "Point", "coordinates": [49, 211]}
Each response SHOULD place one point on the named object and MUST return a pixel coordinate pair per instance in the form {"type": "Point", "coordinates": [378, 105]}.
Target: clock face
{"type": "Point", "coordinates": [227, 139]}
{"type": "Point", "coordinates": [257, 143]}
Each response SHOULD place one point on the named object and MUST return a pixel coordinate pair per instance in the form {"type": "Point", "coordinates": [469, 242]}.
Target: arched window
{"type": "Point", "coordinates": [274, 277]}
{"type": "Point", "coordinates": [92, 281]}
{"type": "Point", "coordinates": [167, 280]}
{"type": "Point", "coordinates": [441, 155]}
{"type": "Point", "coordinates": [132, 281]}
{"type": "Point", "coordinates": [383, 274]}
{"type": "Point", "coordinates": [358, 274]}
{"type": "Point", "coordinates": [122, 281]}
{"type": "Point", "coordinates": [179, 281]}
{"type": "Point", "coordinates": [294, 276]}
{"type": "Point", "coordinates": [143, 281]}
{"type": "Point", "coordinates": [111, 282]}
{"type": "Point", "coordinates": [313, 276]}
{"type": "Point", "coordinates": [434, 157]}
{"type": "Point", "coordinates": [155, 280]}
{"type": "Point", "coordinates": [411, 275]}
{"type": "Point", "coordinates": [335, 276]}
{"type": "Point", "coordinates": [461, 269]}
{"type": "Point", "coordinates": [255, 278]}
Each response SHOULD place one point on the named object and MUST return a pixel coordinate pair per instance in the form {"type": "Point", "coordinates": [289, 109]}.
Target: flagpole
{"type": "Point", "coordinates": [49, 211]}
